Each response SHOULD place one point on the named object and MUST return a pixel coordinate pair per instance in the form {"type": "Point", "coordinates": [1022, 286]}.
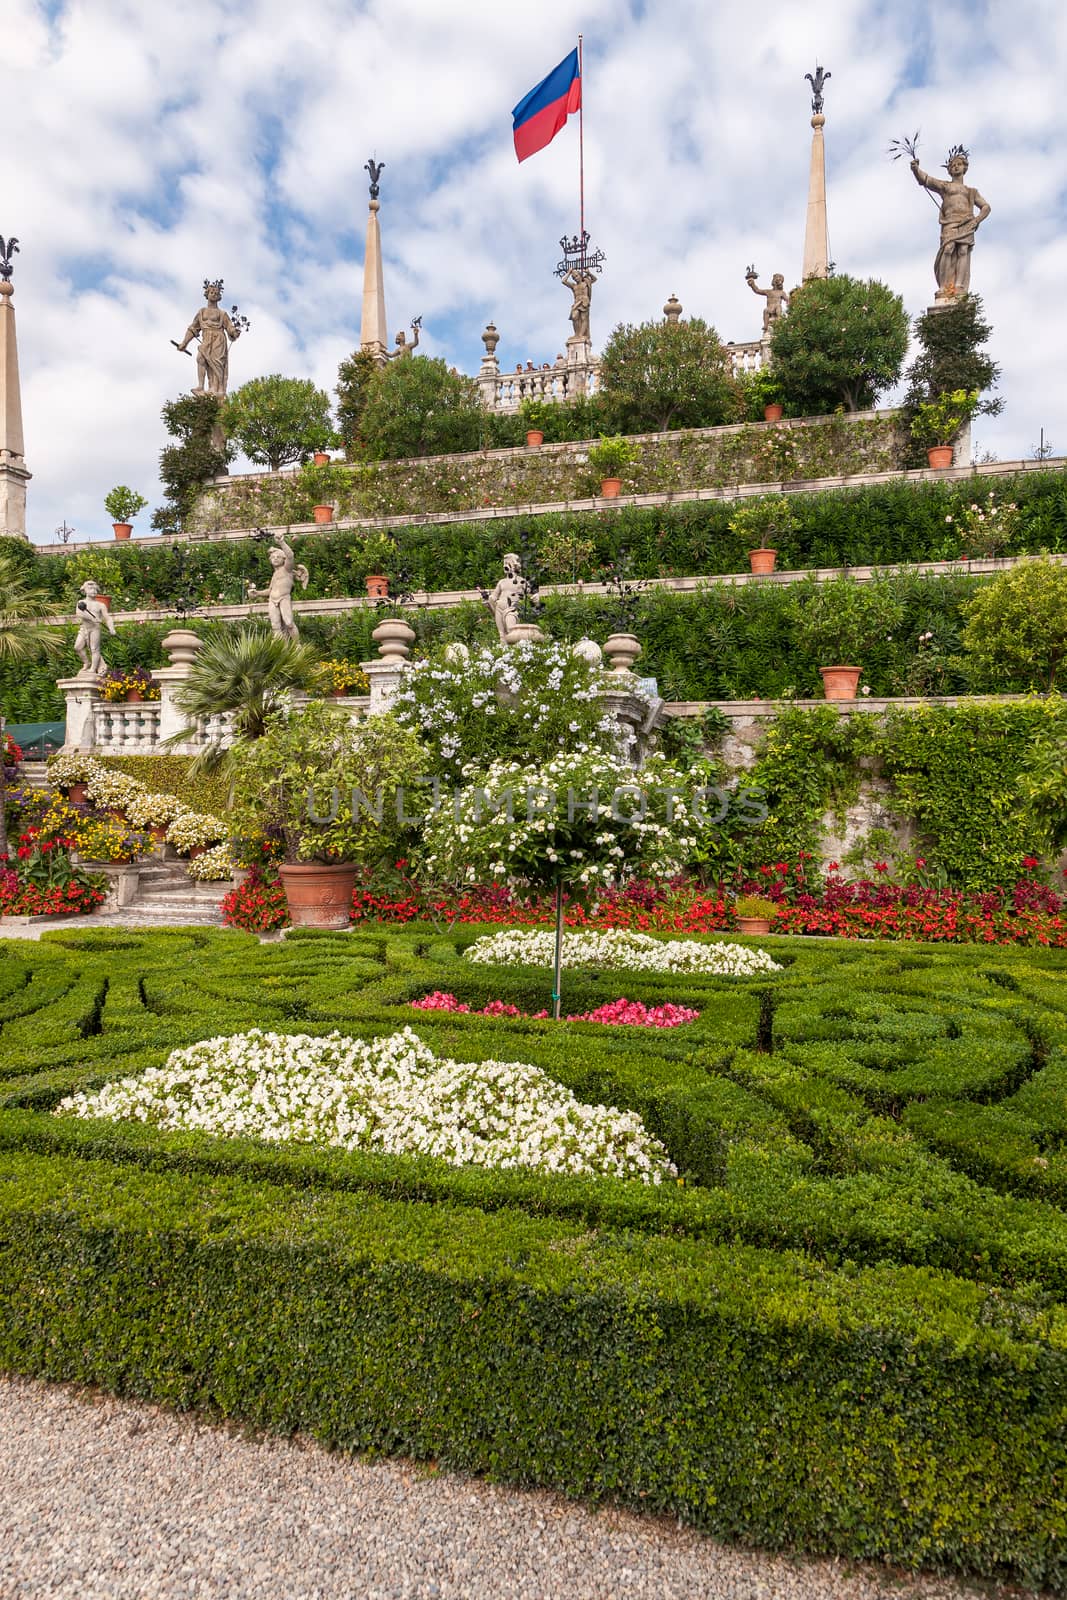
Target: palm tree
{"type": "Point", "coordinates": [22, 611]}
{"type": "Point", "coordinates": [246, 675]}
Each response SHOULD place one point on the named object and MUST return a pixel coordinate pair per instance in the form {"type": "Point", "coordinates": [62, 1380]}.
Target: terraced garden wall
{"type": "Point", "coordinates": [820, 447]}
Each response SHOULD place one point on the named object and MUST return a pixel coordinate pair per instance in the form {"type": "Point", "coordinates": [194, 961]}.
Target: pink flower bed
{"type": "Point", "coordinates": [616, 1013]}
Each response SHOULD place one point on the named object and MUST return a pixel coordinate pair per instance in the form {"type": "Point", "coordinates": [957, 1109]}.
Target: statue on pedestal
{"type": "Point", "coordinates": [92, 616]}
{"type": "Point", "coordinates": [505, 599]}
{"type": "Point", "coordinates": [776, 298]}
{"type": "Point", "coordinates": [580, 283]}
{"type": "Point", "coordinates": [959, 222]}
{"type": "Point", "coordinates": [216, 331]}
{"type": "Point", "coordinates": [279, 595]}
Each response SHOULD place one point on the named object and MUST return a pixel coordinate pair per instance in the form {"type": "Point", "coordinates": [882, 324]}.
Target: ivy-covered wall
{"type": "Point", "coordinates": [823, 447]}
{"type": "Point", "coordinates": [937, 782]}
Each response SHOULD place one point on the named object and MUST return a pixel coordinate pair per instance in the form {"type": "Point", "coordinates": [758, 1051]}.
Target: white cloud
{"type": "Point", "coordinates": [152, 146]}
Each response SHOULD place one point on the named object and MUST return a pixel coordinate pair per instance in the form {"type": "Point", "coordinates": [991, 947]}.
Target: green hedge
{"type": "Point", "coordinates": [845, 1331]}
{"type": "Point", "coordinates": [894, 522]}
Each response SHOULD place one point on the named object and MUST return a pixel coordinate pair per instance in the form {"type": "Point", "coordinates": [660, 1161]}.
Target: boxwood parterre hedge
{"type": "Point", "coordinates": [843, 1331]}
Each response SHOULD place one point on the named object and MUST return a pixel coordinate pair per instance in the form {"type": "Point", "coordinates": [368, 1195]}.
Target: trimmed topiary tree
{"type": "Point", "coordinates": [416, 406]}
{"type": "Point", "coordinates": [276, 420]}
{"type": "Point", "coordinates": [661, 375]}
{"type": "Point", "coordinates": [1017, 626]}
{"type": "Point", "coordinates": [842, 344]}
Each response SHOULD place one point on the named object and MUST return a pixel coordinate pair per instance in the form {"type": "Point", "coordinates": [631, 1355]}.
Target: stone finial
{"type": "Point", "coordinates": [490, 338]}
{"type": "Point", "coordinates": [8, 248]}
{"type": "Point", "coordinates": [182, 646]}
{"type": "Point", "coordinates": [817, 82]}
{"type": "Point", "coordinates": [589, 651]}
{"type": "Point", "coordinates": [672, 311]}
{"type": "Point", "coordinates": [375, 169]}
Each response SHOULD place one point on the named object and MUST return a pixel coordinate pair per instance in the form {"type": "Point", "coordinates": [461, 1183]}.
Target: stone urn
{"type": "Point", "coordinates": [394, 639]}
{"type": "Point", "coordinates": [839, 683]}
{"type": "Point", "coordinates": [525, 632]}
{"type": "Point", "coordinates": [182, 646]}
{"type": "Point", "coordinates": [762, 560]}
{"type": "Point", "coordinates": [622, 650]}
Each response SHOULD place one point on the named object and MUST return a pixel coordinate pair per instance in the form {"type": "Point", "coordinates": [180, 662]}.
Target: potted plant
{"type": "Point", "coordinates": [327, 791]}
{"type": "Point", "coordinates": [336, 678]}
{"type": "Point", "coordinates": [372, 557]}
{"type": "Point", "coordinates": [394, 636]}
{"type": "Point", "coordinates": [764, 395]}
{"type": "Point", "coordinates": [937, 423]}
{"type": "Point", "coordinates": [537, 414]}
{"type": "Point", "coordinates": [609, 459]}
{"type": "Point", "coordinates": [754, 913]}
{"type": "Point", "coordinates": [322, 485]}
{"type": "Point", "coordinates": [122, 505]}
{"type": "Point", "coordinates": [835, 621]}
{"type": "Point", "coordinates": [622, 647]}
{"type": "Point", "coordinates": [759, 522]}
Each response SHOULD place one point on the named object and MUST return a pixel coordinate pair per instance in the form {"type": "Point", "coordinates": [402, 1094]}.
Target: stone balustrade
{"type": "Point", "coordinates": [122, 729]}
{"type": "Point", "coordinates": [748, 357]}
{"type": "Point", "coordinates": [565, 380]}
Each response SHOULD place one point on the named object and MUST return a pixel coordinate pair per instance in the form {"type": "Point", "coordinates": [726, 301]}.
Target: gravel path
{"type": "Point", "coordinates": [105, 1500]}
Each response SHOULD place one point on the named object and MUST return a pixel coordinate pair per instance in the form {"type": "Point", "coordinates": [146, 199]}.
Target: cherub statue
{"type": "Point", "coordinates": [279, 596]}
{"type": "Point", "coordinates": [776, 298]}
{"type": "Point", "coordinates": [959, 202]}
{"type": "Point", "coordinates": [92, 616]}
{"type": "Point", "coordinates": [216, 333]}
{"type": "Point", "coordinates": [507, 596]}
{"type": "Point", "coordinates": [402, 346]}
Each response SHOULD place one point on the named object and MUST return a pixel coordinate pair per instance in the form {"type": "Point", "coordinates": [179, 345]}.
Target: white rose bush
{"type": "Point", "coordinates": [391, 1095]}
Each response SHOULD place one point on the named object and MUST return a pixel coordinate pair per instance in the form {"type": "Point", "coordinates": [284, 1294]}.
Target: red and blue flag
{"type": "Point", "coordinates": [540, 115]}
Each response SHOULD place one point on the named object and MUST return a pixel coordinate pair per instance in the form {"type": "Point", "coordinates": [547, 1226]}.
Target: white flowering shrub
{"type": "Point", "coordinates": [620, 949]}
{"type": "Point", "coordinates": [523, 701]}
{"type": "Point", "coordinates": [192, 828]}
{"type": "Point", "coordinates": [68, 768]}
{"type": "Point", "coordinates": [391, 1095]}
{"type": "Point", "coordinates": [585, 820]}
{"type": "Point", "coordinates": [147, 810]}
{"type": "Point", "coordinates": [214, 866]}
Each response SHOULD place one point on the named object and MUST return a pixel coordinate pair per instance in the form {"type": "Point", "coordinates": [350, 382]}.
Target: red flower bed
{"type": "Point", "coordinates": [615, 1013]}
{"type": "Point", "coordinates": [257, 905]}
{"type": "Point", "coordinates": [42, 900]}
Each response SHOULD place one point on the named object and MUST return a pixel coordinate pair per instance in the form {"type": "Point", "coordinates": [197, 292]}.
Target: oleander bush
{"type": "Point", "coordinates": [841, 1329]}
{"type": "Point", "coordinates": [877, 524]}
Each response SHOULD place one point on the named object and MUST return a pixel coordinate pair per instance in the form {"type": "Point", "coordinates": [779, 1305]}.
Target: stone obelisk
{"type": "Point", "coordinates": [373, 335]}
{"type": "Point", "coordinates": [816, 235]}
{"type": "Point", "coordinates": [13, 474]}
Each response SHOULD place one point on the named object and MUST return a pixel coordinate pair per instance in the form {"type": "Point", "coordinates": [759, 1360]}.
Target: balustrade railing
{"type": "Point", "coordinates": [120, 728]}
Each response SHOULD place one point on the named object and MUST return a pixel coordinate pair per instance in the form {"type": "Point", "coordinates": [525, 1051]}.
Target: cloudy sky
{"type": "Point", "coordinates": [148, 146]}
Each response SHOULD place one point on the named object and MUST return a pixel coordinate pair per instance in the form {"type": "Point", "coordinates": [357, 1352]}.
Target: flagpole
{"type": "Point", "coordinates": [581, 145]}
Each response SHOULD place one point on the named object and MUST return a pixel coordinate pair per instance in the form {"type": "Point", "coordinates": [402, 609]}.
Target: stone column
{"type": "Point", "coordinates": [13, 474]}
{"type": "Point", "coordinates": [384, 676]}
{"type": "Point", "coordinates": [182, 646]}
{"type": "Point", "coordinates": [816, 241]}
{"type": "Point", "coordinates": [82, 696]}
{"type": "Point", "coordinates": [373, 333]}
{"type": "Point", "coordinates": [489, 371]}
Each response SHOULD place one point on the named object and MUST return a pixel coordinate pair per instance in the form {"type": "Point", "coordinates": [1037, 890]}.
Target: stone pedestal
{"type": "Point", "coordinates": [82, 695]}
{"type": "Point", "coordinates": [385, 676]}
{"type": "Point", "coordinates": [639, 717]}
{"type": "Point", "coordinates": [182, 646]}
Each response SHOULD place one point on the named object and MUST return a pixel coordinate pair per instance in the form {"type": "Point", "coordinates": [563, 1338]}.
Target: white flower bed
{"type": "Point", "coordinates": [391, 1095]}
{"type": "Point", "coordinates": [214, 866]}
{"type": "Point", "coordinates": [619, 948]}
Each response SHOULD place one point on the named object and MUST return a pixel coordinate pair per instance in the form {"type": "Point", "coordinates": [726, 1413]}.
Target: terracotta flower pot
{"type": "Point", "coordinates": [534, 437]}
{"type": "Point", "coordinates": [134, 697]}
{"type": "Point", "coordinates": [753, 924]}
{"type": "Point", "coordinates": [772, 413]}
{"type": "Point", "coordinates": [77, 794]}
{"type": "Point", "coordinates": [609, 488]}
{"type": "Point", "coordinates": [320, 458]}
{"type": "Point", "coordinates": [377, 585]}
{"type": "Point", "coordinates": [939, 456]}
{"type": "Point", "coordinates": [839, 683]}
{"type": "Point", "coordinates": [318, 894]}
{"type": "Point", "coordinates": [322, 513]}
{"type": "Point", "coordinates": [762, 560]}
{"type": "Point", "coordinates": [105, 600]}
{"type": "Point", "coordinates": [197, 850]}
{"type": "Point", "coordinates": [122, 529]}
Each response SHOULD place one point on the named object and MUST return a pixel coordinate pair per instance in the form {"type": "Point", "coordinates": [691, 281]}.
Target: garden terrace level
{"type": "Point", "coordinates": [991, 471]}
{"type": "Point", "coordinates": [445, 598]}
